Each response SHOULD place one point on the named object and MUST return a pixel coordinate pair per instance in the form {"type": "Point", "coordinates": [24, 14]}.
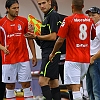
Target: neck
{"type": "Point", "coordinates": [78, 12]}
{"type": "Point", "coordinates": [10, 17]}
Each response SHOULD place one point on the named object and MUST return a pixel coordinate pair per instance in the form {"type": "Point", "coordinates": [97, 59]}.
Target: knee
{"type": "Point", "coordinates": [25, 84]}
{"type": "Point", "coordinates": [54, 83]}
{"type": "Point", "coordinates": [75, 87]}
{"type": "Point", "coordinates": [43, 81]}
{"type": "Point", "coordinates": [10, 86]}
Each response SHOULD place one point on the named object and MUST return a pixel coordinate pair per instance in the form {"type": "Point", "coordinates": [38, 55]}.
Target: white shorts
{"type": "Point", "coordinates": [20, 72]}
{"type": "Point", "coordinates": [74, 72]}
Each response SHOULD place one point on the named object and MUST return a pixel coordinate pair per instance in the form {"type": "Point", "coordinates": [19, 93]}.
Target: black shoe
{"type": "Point", "coordinates": [85, 97]}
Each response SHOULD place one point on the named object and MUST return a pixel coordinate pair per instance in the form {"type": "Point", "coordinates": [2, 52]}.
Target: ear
{"type": "Point", "coordinates": [72, 6]}
{"type": "Point", "coordinates": [83, 6]}
{"type": "Point", "coordinates": [49, 2]}
{"type": "Point", "coordinates": [7, 9]}
{"type": "Point", "coordinates": [54, 8]}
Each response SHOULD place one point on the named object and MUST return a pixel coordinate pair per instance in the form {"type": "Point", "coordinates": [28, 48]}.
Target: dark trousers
{"type": "Point", "coordinates": [2, 90]}
{"type": "Point", "coordinates": [2, 85]}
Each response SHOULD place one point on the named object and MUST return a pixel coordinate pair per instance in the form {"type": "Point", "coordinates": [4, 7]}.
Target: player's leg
{"type": "Point", "coordinates": [72, 74]}
{"type": "Point", "coordinates": [84, 70]}
{"type": "Point", "coordinates": [44, 79]}
{"type": "Point", "coordinates": [61, 72]}
{"type": "Point", "coordinates": [9, 73]}
{"type": "Point", "coordinates": [85, 93]}
{"type": "Point", "coordinates": [24, 77]}
{"type": "Point", "coordinates": [46, 91]}
{"type": "Point", "coordinates": [55, 90]}
{"type": "Point", "coordinates": [61, 67]}
{"type": "Point", "coordinates": [54, 83]}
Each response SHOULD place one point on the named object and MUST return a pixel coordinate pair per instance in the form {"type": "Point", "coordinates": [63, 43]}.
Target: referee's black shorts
{"type": "Point", "coordinates": [50, 69]}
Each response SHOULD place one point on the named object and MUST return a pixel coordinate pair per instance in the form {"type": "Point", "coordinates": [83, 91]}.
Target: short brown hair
{"type": "Point", "coordinates": [78, 4]}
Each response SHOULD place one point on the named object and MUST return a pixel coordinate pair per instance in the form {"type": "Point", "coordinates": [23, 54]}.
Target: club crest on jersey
{"type": "Point", "coordinates": [19, 27]}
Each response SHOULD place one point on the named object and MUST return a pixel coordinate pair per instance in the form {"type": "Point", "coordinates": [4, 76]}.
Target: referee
{"type": "Point", "coordinates": [49, 73]}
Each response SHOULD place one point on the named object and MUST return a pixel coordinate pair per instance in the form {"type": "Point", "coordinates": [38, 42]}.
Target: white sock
{"type": "Point", "coordinates": [85, 93]}
{"type": "Point", "coordinates": [10, 94]}
{"type": "Point", "coordinates": [84, 88]}
{"type": "Point", "coordinates": [81, 90]}
{"type": "Point", "coordinates": [77, 95]}
{"type": "Point", "coordinates": [28, 94]}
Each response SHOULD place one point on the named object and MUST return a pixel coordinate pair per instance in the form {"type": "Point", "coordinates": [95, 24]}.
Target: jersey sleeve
{"type": "Point", "coordinates": [63, 31]}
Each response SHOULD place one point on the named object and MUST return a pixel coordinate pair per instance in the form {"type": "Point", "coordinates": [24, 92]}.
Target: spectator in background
{"type": "Point", "coordinates": [93, 74]}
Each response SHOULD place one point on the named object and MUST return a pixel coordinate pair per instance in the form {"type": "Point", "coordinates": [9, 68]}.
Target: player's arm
{"type": "Point", "coordinates": [33, 51]}
{"type": "Point", "coordinates": [63, 29]}
{"type": "Point", "coordinates": [51, 37]}
{"type": "Point", "coordinates": [57, 46]}
{"type": "Point", "coordinates": [31, 45]}
{"type": "Point", "coordinates": [4, 49]}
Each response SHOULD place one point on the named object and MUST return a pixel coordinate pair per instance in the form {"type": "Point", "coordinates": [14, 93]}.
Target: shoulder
{"type": "Point", "coordinates": [3, 20]}
{"type": "Point", "coordinates": [21, 18]}
{"type": "Point", "coordinates": [54, 13]}
{"type": "Point", "coordinates": [62, 16]}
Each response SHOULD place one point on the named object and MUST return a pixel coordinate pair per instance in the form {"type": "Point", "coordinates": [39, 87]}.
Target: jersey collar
{"type": "Point", "coordinates": [50, 10]}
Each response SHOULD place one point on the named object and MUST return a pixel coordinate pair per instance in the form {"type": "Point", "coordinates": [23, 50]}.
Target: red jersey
{"type": "Point", "coordinates": [77, 29]}
{"type": "Point", "coordinates": [12, 35]}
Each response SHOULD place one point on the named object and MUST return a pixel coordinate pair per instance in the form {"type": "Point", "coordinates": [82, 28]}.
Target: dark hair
{"type": "Point", "coordinates": [78, 4]}
{"type": "Point", "coordinates": [10, 2]}
{"type": "Point", "coordinates": [54, 4]}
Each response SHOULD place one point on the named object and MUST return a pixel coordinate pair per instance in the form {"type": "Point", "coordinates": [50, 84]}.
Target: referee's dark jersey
{"type": "Point", "coordinates": [63, 47]}
{"type": "Point", "coordinates": [49, 25]}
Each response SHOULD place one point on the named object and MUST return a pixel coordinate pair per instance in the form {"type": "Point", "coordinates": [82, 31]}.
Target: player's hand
{"type": "Point", "coordinates": [30, 27]}
{"type": "Point", "coordinates": [6, 51]}
{"type": "Point", "coordinates": [51, 57]}
{"type": "Point", "coordinates": [91, 60]}
{"type": "Point", "coordinates": [30, 35]}
{"type": "Point", "coordinates": [34, 61]}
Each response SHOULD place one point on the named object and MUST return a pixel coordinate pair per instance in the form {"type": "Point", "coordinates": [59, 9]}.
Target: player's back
{"type": "Point", "coordinates": [78, 38]}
